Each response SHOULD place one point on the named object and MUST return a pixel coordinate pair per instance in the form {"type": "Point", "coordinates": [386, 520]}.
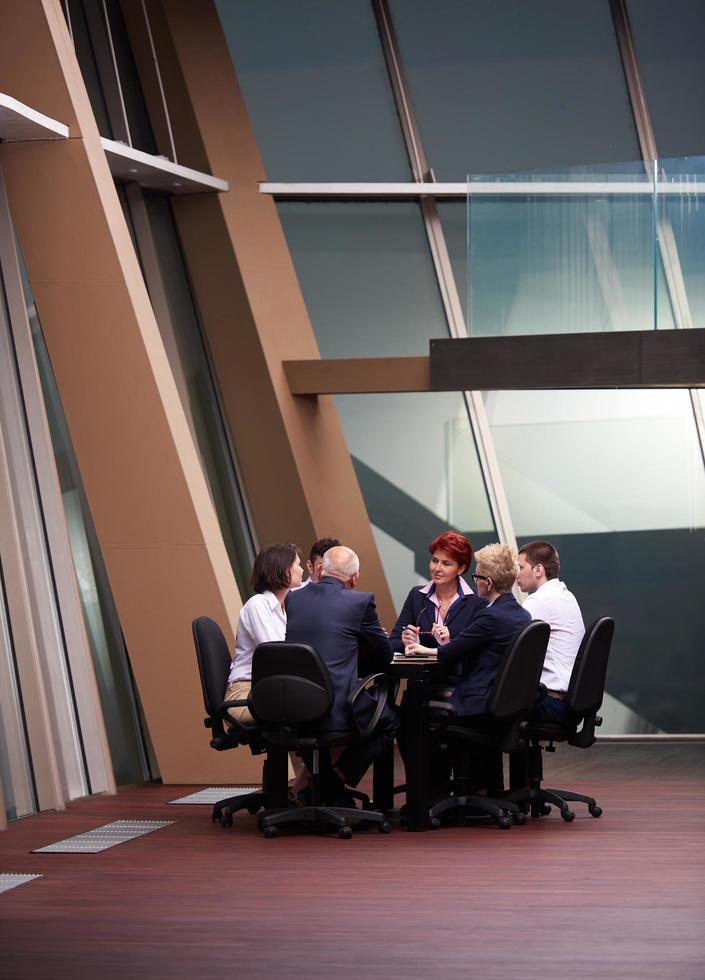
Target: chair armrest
{"type": "Point", "coordinates": [382, 683]}
{"type": "Point", "coordinates": [584, 738]}
{"type": "Point", "coordinates": [443, 706]}
{"type": "Point", "coordinates": [240, 703]}
{"type": "Point", "coordinates": [232, 722]}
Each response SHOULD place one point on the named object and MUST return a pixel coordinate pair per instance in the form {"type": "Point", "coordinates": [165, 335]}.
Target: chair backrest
{"type": "Point", "coordinates": [587, 680]}
{"type": "Point", "coordinates": [290, 684]}
{"type": "Point", "coordinates": [214, 662]}
{"type": "Point", "coordinates": [513, 693]}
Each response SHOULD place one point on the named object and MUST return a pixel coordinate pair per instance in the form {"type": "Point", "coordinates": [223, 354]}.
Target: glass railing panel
{"type": "Point", "coordinates": [681, 235]}
{"type": "Point", "coordinates": [582, 251]}
{"type": "Point", "coordinates": [568, 252]}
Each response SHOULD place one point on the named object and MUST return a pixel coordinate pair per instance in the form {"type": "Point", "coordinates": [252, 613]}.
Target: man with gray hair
{"type": "Point", "coordinates": [339, 623]}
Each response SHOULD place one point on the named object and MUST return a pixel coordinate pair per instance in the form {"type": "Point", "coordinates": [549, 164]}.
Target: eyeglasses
{"type": "Point", "coordinates": [482, 578]}
{"type": "Point", "coordinates": [418, 623]}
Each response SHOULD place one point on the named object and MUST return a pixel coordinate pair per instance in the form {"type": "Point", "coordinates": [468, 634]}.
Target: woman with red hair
{"type": "Point", "coordinates": [436, 612]}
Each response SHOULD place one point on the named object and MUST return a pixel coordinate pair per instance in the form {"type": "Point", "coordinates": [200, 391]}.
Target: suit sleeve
{"type": "Point", "coordinates": [375, 648]}
{"type": "Point", "coordinates": [477, 635]}
{"type": "Point", "coordinates": [406, 616]}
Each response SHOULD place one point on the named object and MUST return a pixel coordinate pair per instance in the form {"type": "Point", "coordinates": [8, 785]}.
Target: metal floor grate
{"type": "Point", "coordinates": [101, 838]}
{"type": "Point", "coordinates": [214, 794]}
{"type": "Point", "coordinates": [8, 881]}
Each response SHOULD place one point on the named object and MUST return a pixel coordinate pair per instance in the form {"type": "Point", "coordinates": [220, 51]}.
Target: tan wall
{"type": "Point", "coordinates": [297, 470]}
{"type": "Point", "coordinates": [154, 519]}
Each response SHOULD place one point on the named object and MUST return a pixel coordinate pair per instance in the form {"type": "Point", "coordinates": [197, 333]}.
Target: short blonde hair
{"type": "Point", "coordinates": [500, 563]}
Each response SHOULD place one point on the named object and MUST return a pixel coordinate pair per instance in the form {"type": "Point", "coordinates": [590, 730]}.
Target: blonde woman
{"type": "Point", "coordinates": [479, 649]}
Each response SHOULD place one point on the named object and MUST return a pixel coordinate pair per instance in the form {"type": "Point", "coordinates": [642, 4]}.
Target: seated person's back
{"type": "Point", "coordinates": [335, 620]}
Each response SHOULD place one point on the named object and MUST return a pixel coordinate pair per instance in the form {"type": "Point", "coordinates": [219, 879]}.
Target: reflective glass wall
{"type": "Point", "coordinates": [507, 92]}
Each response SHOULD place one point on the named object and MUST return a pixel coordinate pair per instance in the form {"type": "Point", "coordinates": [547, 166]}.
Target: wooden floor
{"type": "Point", "coordinates": [619, 897]}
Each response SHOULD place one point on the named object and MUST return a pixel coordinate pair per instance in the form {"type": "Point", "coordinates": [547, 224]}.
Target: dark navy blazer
{"type": "Point", "coordinates": [420, 611]}
{"type": "Point", "coordinates": [479, 648]}
{"type": "Point", "coordinates": [338, 622]}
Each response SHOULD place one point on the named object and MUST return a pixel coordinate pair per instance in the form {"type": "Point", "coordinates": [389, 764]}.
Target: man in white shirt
{"type": "Point", "coordinates": [550, 600]}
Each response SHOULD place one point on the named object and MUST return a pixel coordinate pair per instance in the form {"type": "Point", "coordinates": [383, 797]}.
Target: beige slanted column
{"type": "Point", "coordinates": [154, 519]}
{"type": "Point", "coordinates": [297, 470]}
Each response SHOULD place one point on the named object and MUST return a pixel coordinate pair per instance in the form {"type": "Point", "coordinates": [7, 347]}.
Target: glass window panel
{"type": "Point", "coordinates": [107, 645]}
{"type": "Point", "coordinates": [16, 777]}
{"type": "Point", "coordinates": [669, 40]}
{"type": "Point", "coordinates": [367, 277]}
{"type": "Point", "coordinates": [128, 79]}
{"type": "Point", "coordinates": [89, 69]}
{"type": "Point", "coordinates": [418, 470]}
{"type": "Point", "coordinates": [368, 281]}
{"type": "Point", "coordinates": [189, 361]}
{"type": "Point", "coordinates": [615, 479]}
{"type": "Point", "coordinates": [313, 76]}
{"type": "Point", "coordinates": [504, 85]}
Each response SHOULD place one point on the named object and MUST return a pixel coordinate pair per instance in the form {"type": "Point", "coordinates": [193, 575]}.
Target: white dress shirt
{"type": "Point", "coordinates": [555, 605]}
{"type": "Point", "coordinates": [261, 619]}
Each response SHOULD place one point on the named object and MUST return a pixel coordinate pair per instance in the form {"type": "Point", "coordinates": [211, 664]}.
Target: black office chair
{"type": "Point", "coordinates": [291, 691]}
{"type": "Point", "coordinates": [583, 699]}
{"type": "Point", "coordinates": [512, 697]}
{"type": "Point", "coordinates": [214, 663]}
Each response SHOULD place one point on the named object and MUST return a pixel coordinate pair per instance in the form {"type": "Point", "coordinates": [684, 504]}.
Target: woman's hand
{"type": "Point", "coordinates": [417, 649]}
{"type": "Point", "coordinates": [440, 633]}
{"type": "Point", "coordinates": [410, 635]}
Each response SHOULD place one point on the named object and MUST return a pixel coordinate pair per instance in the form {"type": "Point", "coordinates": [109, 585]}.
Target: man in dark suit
{"type": "Point", "coordinates": [339, 623]}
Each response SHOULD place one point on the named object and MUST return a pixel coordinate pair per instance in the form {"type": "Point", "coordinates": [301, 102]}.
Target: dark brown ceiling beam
{"type": "Point", "coordinates": [626, 359]}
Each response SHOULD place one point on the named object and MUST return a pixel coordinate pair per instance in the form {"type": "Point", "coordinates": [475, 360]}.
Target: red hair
{"type": "Point", "coordinates": [454, 544]}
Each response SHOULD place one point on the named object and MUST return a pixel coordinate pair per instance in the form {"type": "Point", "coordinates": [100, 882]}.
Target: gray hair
{"type": "Point", "coordinates": [340, 562]}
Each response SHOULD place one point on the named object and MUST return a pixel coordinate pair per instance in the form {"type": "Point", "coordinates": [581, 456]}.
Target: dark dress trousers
{"type": "Point", "coordinates": [480, 648]}
{"type": "Point", "coordinates": [419, 610]}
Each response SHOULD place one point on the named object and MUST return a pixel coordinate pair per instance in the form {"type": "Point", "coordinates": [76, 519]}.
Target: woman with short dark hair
{"type": "Point", "coordinates": [263, 617]}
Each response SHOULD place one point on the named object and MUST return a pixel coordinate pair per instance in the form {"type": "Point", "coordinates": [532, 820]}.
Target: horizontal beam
{"type": "Point", "coordinates": [156, 172]}
{"type": "Point", "coordinates": [357, 375]}
{"type": "Point", "coordinates": [680, 186]}
{"type": "Point", "coordinates": [626, 359]}
{"type": "Point", "coordinates": [19, 122]}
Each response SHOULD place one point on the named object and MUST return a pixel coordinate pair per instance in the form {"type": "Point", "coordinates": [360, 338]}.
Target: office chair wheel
{"type": "Point", "coordinates": [544, 810]}
{"type": "Point", "coordinates": [345, 833]}
{"type": "Point", "coordinates": [595, 811]}
{"type": "Point", "coordinates": [270, 831]}
{"type": "Point", "coordinates": [568, 815]}
{"type": "Point", "coordinates": [434, 823]}
{"type": "Point", "coordinates": [226, 818]}
{"type": "Point", "coordinates": [385, 827]}
{"type": "Point", "coordinates": [255, 808]}
{"type": "Point", "coordinates": [504, 823]}
{"type": "Point", "coordinates": [519, 818]}
{"type": "Point", "coordinates": [216, 815]}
